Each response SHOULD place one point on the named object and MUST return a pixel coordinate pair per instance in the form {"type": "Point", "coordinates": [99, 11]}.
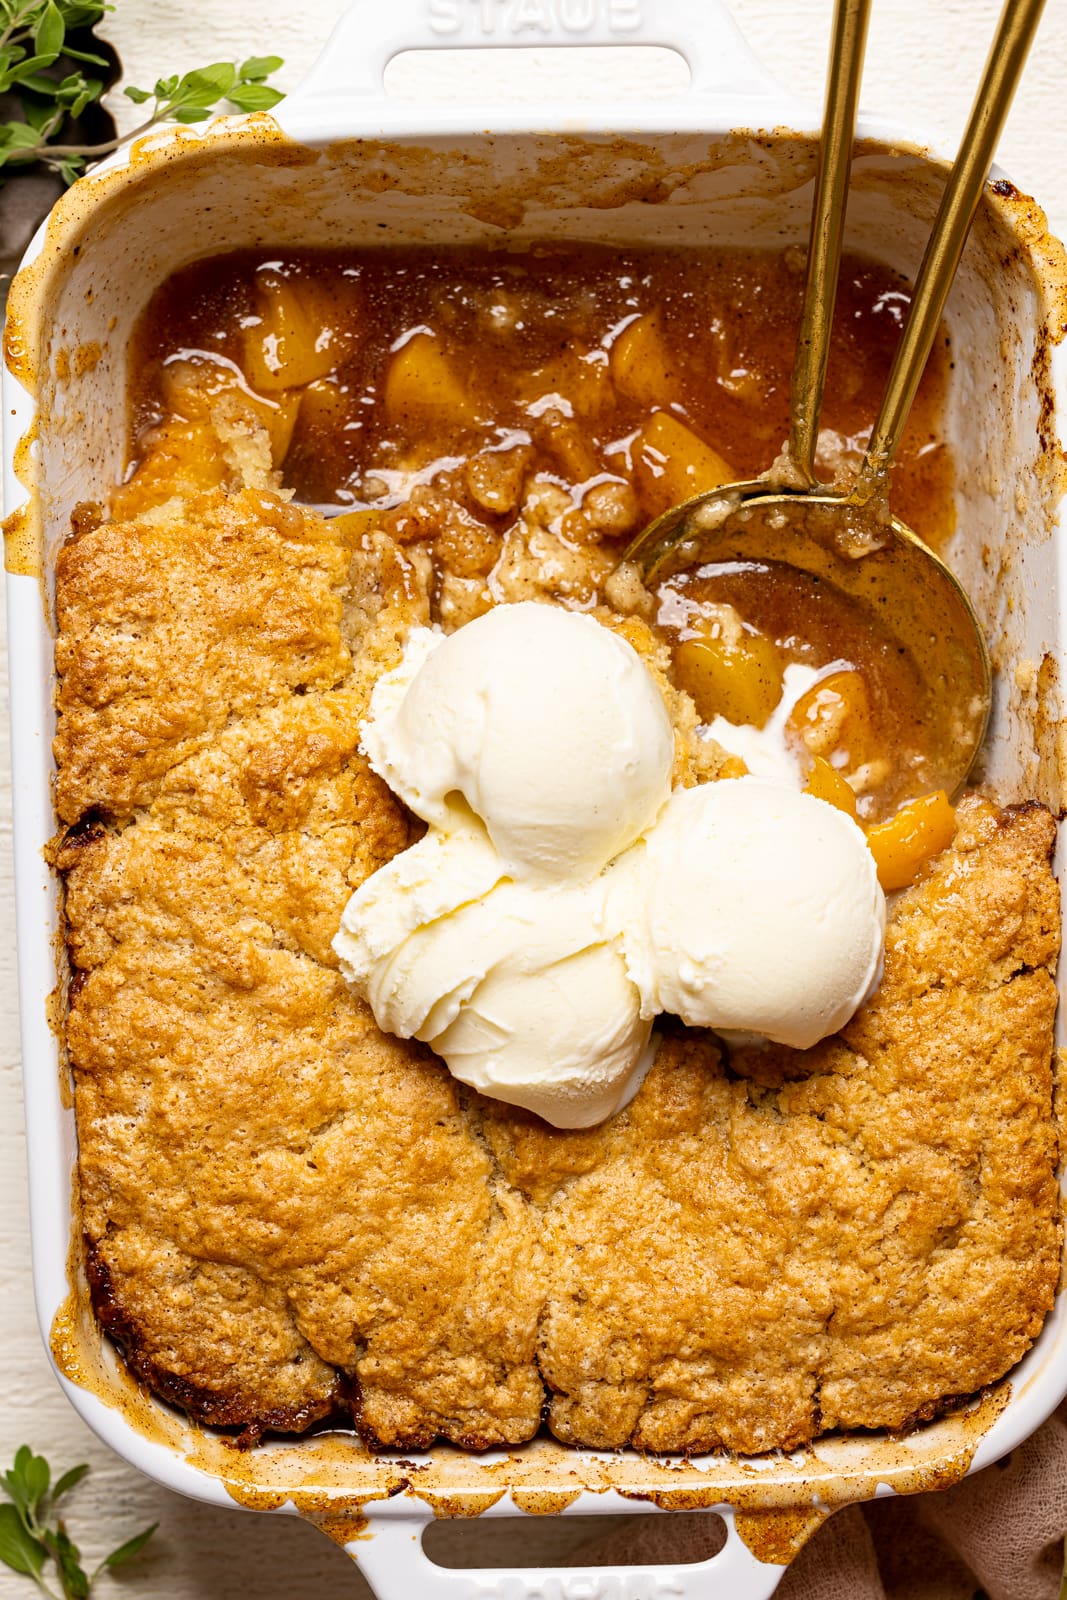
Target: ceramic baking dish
{"type": "Point", "coordinates": [345, 163]}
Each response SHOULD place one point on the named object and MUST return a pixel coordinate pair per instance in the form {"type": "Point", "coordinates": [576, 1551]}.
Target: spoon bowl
{"type": "Point", "coordinates": [880, 566]}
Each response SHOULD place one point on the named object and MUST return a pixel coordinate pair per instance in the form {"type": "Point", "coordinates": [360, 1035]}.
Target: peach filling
{"type": "Point", "coordinates": [732, 671]}
{"type": "Point", "coordinates": [444, 391]}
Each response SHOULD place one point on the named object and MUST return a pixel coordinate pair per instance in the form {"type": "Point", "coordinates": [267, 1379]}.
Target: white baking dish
{"type": "Point", "coordinates": [353, 166]}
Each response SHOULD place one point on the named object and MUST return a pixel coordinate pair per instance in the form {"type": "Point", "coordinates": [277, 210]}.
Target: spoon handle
{"type": "Point", "coordinates": [1004, 67]}
{"type": "Point", "coordinates": [843, 75]}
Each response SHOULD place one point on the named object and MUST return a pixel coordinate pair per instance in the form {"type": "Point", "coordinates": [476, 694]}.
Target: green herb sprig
{"type": "Point", "coordinates": [32, 1535]}
{"type": "Point", "coordinates": [34, 37]}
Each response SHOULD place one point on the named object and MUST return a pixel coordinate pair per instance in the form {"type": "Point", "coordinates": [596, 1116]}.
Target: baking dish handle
{"type": "Point", "coordinates": [371, 33]}
{"type": "Point", "coordinates": [391, 1558]}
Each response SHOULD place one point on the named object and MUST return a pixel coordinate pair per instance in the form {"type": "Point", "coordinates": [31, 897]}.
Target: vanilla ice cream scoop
{"type": "Point", "coordinates": [563, 896]}
{"type": "Point", "coordinates": [752, 909]}
{"type": "Point", "coordinates": [420, 888]}
{"type": "Point", "coordinates": [514, 985]}
{"type": "Point", "coordinates": [549, 726]}
{"type": "Point", "coordinates": [553, 1022]}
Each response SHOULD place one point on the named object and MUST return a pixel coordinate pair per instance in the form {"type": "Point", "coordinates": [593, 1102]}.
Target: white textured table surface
{"type": "Point", "coordinates": [924, 59]}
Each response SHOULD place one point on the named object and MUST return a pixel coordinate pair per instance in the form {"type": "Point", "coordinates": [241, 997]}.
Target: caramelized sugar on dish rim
{"type": "Point", "coordinates": [389, 379]}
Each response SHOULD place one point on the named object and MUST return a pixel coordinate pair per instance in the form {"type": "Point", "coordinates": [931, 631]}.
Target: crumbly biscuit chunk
{"type": "Point", "coordinates": [212, 1338]}
{"type": "Point", "coordinates": [171, 623]}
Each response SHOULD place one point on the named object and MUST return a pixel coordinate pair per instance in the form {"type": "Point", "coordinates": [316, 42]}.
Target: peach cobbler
{"type": "Point", "coordinates": [292, 1213]}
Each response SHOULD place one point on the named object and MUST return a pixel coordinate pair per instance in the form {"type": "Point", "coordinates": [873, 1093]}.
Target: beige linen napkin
{"type": "Point", "coordinates": [998, 1534]}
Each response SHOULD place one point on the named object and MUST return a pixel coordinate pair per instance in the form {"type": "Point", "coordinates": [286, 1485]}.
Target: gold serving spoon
{"type": "Point", "coordinates": [849, 538]}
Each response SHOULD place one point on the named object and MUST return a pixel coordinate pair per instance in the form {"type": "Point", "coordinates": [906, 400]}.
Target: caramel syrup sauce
{"type": "Point", "coordinates": [529, 346]}
{"type": "Point", "coordinates": [519, 328]}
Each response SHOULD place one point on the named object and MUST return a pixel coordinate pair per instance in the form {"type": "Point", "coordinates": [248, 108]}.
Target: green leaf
{"type": "Point", "coordinates": [70, 168]}
{"type": "Point", "coordinates": [90, 91]}
{"type": "Point", "coordinates": [31, 65]}
{"type": "Point", "coordinates": [254, 97]}
{"type": "Point", "coordinates": [69, 1480]}
{"type": "Point", "coordinates": [256, 68]}
{"type": "Point", "coordinates": [19, 1550]}
{"type": "Point", "coordinates": [12, 1480]}
{"type": "Point", "coordinates": [36, 1473]}
{"type": "Point", "coordinates": [36, 85]}
{"type": "Point", "coordinates": [85, 15]}
{"type": "Point", "coordinates": [50, 31]}
{"type": "Point", "coordinates": [20, 136]}
{"type": "Point", "coordinates": [190, 99]}
{"type": "Point", "coordinates": [165, 87]}
{"type": "Point", "coordinates": [84, 55]}
{"type": "Point", "coordinates": [192, 113]}
{"type": "Point", "coordinates": [138, 96]}
{"type": "Point", "coordinates": [216, 80]}
{"type": "Point", "coordinates": [23, 1457]}
{"type": "Point", "coordinates": [132, 1547]}
{"type": "Point", "coordinates": [68, 1560]}
{"type": "Point", "coordinates": [76, 93]}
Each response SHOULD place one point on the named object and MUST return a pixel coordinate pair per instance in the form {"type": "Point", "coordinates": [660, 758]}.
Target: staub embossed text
{"type": "Point", "coordinates": [526, 19]}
